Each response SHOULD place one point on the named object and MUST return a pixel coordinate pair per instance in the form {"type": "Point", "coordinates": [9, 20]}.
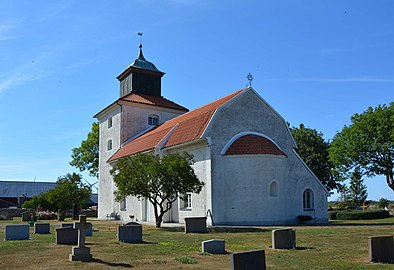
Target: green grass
{"type": "Point", "coordinates": [341, 245]}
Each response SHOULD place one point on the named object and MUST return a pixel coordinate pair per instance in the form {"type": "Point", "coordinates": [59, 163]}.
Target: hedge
{"type": "Point", "coordinates": [332, 215]}
{"type": "Point", "coordinates": [359, 214]}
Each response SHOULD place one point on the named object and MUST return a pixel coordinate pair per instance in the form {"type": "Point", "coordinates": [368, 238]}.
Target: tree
{"type": "Point", "coordinates": [86, 157]}
{"type": "Point", "coordinates": [69, 191]}
{"type": "Point", "coordinates": [161, 180]}
{"type": "Point", "coordinates": [358, 191]}
{"type": "Point", "coordinates": [382, 203]}
{"type": "Point", "coordinates": [367, 143]}
{"type": "Point", "coordinates": [313, 150]}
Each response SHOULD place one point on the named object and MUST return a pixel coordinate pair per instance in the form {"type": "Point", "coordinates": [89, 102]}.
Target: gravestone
{"type": "Point", "coordinates": [283, 239]}
{"type": "Point", "coordinates": [26, 216]}
{"type": "Point", "coordinates": [89, 229]}
{"type": "Point", "coordinates": [196, 225]}
{"type": "Point", "coordinates": [66, 236]}
{"type": "Point", "coordinates": [42, 228]}
{"type": "Point", "coordinates": [130, 233]}
{"type": "Point", "coordinates": [214, 246]}
{"type": "Point", "coordinates": [17, 232]}
{"type": "Point", "coordinates": [81, 252]}
{"type": "Point", "coordinates": [254, 260]}
{"type": "Point", "coordinates": [381, 249]}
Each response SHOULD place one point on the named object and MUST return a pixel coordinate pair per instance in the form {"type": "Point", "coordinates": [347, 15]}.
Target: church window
{"type": "Point", "coordinates": [274, 189]}
{"type": "Point", "coordinates": [188, 201]}
{"type": "Point", "coordinates": [109, 145]}
{"type": "Point", "coordinates": [308, 199]}
{"type": "Point", "coordinates": [153, 120]}
{"type": "Point", "coordinates": [122, 204]}
{"type": "Point", "coordinates": [110, 122]}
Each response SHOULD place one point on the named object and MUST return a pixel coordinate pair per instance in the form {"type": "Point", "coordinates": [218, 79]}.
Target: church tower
{"type": "Point", "coordinates": [141, 77]}
{"type": "Point", "coordinates": [139, 108]}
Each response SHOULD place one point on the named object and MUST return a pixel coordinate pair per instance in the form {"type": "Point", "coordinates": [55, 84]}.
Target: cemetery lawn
{"type": "Point", "coordinates": [341, 245]}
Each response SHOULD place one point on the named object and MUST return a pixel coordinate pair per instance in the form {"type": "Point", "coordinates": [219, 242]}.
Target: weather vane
{"type": "Point", "coordinates": [140, 34]}
{"type": "Point", "coordinates": [250, 79]}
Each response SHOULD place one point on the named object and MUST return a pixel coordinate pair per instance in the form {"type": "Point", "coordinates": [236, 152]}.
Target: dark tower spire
{"type": "Point", "coordinates": [141, 77]}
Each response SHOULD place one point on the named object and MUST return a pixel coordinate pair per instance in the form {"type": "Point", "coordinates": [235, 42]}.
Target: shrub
{"type": "Point", "coordinates": [332, 215]}
{"type": "Point", "coordinates": [358, 215]}
{"type": "Point", "coordinates": [382, 203]}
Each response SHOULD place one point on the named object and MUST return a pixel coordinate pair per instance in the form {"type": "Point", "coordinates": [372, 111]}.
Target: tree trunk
{"type": "Point", "coordinates": [390, 181]}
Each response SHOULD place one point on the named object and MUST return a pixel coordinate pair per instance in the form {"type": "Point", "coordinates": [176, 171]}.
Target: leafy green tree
{"type": "Point", "coordinates": [86, 157]}
{"type": "Point", "coordinates": [367, 143]}
{"type": "Point", "coordinates": [161, 180]}
{"type": "Point", "coordinates": [382, 203]}
{"type": "Point", "coordinates": [69, 190]}
{"type": "Point", "coordinates": [313, 150]}
{"type": "Point", "coordinates": [358, 191]}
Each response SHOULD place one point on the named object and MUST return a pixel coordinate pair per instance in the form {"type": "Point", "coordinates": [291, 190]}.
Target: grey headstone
{"type": "Point", "coordinates": [66, 236]}
{"type": "Point", "coordinates": [196, 225]}
{"type": "Point", "coordinates": [130, 233]}
{"type": "Point", "coordinates": [381, 249]}
{"type": "Point", "coordinates": [250, 260]}
{"type": "Point", "coordinates": [42, 228]}
{"type": "Point", "coordinates": [81, 252]}
{"type": "Point", "coordinates": [89, 229]}
{"type": "Point", "coordinates": [26, 215]}
{"type": "Point", "coordinates": [17, 232]}
{"type": "Point", "coordinates": [214, 246]}
{"type": "Point", "coordinates": [284, 239]}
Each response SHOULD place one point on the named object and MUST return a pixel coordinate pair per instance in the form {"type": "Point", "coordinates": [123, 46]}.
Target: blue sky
{"type": "Point", "coordinates": [315, 62]}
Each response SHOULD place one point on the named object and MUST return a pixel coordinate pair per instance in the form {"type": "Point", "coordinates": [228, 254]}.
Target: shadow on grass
{"type": "Point", "coordinates": [112, 264]}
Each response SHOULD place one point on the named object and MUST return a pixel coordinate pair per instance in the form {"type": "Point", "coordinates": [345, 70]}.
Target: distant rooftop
{"type": "Point", "coordinates": [12, 189]}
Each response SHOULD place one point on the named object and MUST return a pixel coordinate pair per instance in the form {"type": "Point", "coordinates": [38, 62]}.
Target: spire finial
{"type": "Point", "coordinates": [250, 79]}
{"type": "Point", "coordinates": [140, 34]}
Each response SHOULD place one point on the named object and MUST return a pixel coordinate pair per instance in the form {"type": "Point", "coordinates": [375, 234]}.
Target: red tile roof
{"type": "Point", "coordinates": [185, 128]}
{"type": "Point", "coordinates": [152, 100]}
{"type": "Point", "coordinates": [253, 145]}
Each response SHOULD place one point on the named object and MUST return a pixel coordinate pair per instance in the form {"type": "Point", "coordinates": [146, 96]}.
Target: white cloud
{"type": "Point", "coordinates": [6, 30]}
{"type": "Point", "coordinates": [20, 75]}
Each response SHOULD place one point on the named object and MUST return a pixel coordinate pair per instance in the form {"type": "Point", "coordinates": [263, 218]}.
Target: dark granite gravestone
{"type": "Point", "coordinates": [381, 249]}
{"type": "Point", "coordinates": [214, 246]}
{"type": "Point", "coordinates": [42, 228]}
{"type": "Point", "coordinates": [17, 231]}
{"type": "Point", "coordinates": [283, 239]}
{"type": "Point", "coordinates": [250, 260]}
{"type": "Point", "coordinates": [89, 229]}
{"type": "Point", "coordinates": [66, 236]}
{"type": "Point", "coordinates": [196, 225]}
{"type": "Point", "coordinates": [130, 233]}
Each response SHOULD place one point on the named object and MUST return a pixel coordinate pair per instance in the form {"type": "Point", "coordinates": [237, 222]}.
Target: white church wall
{"type": "Point", "coordinates": [247, 112]}
{"type": "Point", "coordinates": [202, 168]}
{"type": "Point", "coordinates": [105, 192]}
{"type": "Point", "coordinates": [135, 118]}
{"type": "Point", "coordinates": [247, 198]}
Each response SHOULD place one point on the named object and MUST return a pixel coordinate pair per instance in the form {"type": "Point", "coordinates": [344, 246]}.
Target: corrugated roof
{"type": "Point", "coordinates": [184, 128]}
{"type": "Point", "coordinates": [12, 189]}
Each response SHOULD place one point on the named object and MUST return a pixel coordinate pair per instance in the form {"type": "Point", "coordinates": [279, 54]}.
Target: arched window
{"type": "Point", "coordinates": [308, 199]}
{"type": "Point", "coordinates": [274, 189]}
{"type": "Point", "coordinates": [153, 120]}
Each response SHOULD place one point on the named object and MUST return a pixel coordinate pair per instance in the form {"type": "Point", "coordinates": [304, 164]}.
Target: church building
{"type": "Point", "coordinates": [243, 152]}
